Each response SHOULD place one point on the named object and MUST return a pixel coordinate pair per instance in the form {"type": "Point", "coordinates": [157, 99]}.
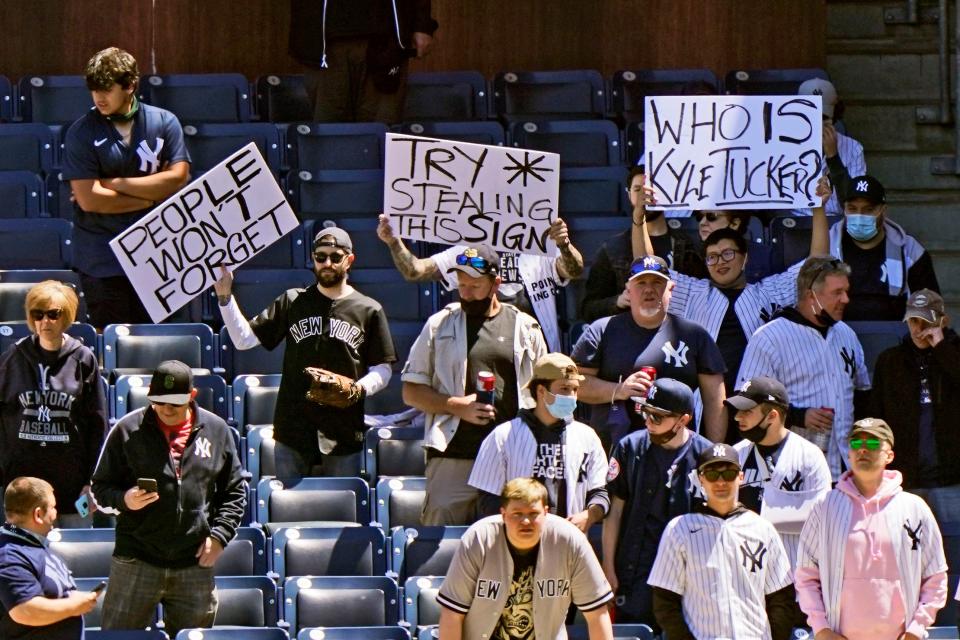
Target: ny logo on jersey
{"type": "Point", "coordinates": [862, 186]}
{"type": "Point", "coordinates": [914, 534]}
{"type": "Point", "coordinates": [678, 355]}
{"type": "Point", "coordinates": [849, 364]}
{"type": "Point", "coordinates": [202, 447]}
{"type": "Point", "coordinates": [767, 314]}
{"type": "Point", "coordinates": [792, 485]}
{"type": "Point", "coordinates": [754, 556]}
{"type": "Point", "coordinates": [43, 413]}
{"type": "Point", "coordinates": [149, 158]}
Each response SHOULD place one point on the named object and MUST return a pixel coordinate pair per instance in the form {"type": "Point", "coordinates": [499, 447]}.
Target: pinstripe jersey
{"type": "Point", "coordinates": [698, 300]}
{"type": "Point", "coordinates": [817, 372]}
{"type": "Point", "coordinates": [851, 155]}
{"type": "Point", "coordinates": [723, 569]}
{"type": "Point", "coordinates": [799, 478]}
{"type": "Point", "coordinates": [510, 451]}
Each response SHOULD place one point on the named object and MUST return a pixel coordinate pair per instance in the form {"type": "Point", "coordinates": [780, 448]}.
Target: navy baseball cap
{"type": "Point", "coordinates": [756, 391]}
{"type": "Point", "coordinates": [649, 264]}
{"type": "Point", "coordinates": [669, 396]}
{"type": "Point", "coordinates": [868, 188]}
{"type": "Point", "coordinates": [716, 454]}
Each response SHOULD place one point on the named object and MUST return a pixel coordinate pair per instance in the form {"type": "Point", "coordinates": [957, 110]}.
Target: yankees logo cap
{"type": "Point", "coordinates": [756, 391]}
{"type": "Point", "coordinates": [718, 453]}
{"type": "Point", "coordinates": [671, 396]}
{"type": "Point", "coordinates": [172, 383]}
{"type": "Point", "coordinates": [649, 264]}
{"type": "Point", "coordinates": [822, 88]}
{"type": "Point", "coordinates": [926, 305]}
{"type": "Point", "coordinates": [868, 188]}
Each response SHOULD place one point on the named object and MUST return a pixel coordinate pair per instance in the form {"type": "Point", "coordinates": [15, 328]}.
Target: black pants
{"type": "Point", "coordinates": [112, 300]}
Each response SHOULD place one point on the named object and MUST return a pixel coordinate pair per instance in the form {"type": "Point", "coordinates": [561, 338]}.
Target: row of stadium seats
{"type": "Point", "coordinates": [459, 95]}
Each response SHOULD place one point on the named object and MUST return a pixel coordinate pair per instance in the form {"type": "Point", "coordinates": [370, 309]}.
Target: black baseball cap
{"type": "Point", "coordinates": [669, 396]}
{"type": "Point", "coordinates": [477, 261]}
{"type": "Point", "coordinates": [172, 383]}
{"type": "Point", "coordinates": [718, 453]}
{"type": "Point", "coordinates": [756, 391]}
{"type": "Point", "coordinates": [333, 237]}
{"type": "Point", "coordinates": [866, 187]}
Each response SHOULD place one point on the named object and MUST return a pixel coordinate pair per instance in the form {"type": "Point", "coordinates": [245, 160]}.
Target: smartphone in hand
{"type": "Point", "coordinates": [83, 505]}
{"type": "Point", "coordinates": [100, 587]}
{"type": "Point", "coordinates": [147, 484]}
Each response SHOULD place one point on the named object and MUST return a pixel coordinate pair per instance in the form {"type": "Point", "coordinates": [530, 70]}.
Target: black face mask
{"type": "Point", "coordinates": [757, 432]}
{"type": "Point", "coordinates": [822, 316]}
{"type": "Point", "coordinates": [476, 308]}
{"type": "Point", "coordinates": [663, 438]}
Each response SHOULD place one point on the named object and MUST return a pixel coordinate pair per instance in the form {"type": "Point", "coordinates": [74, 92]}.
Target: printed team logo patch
{"type": "Point", "coordinates": [202, 447]}
{"type": "Point", "coordinates": [613, 470]}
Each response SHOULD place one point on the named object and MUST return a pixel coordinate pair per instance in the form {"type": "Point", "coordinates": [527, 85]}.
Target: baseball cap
{"type": "Point", "coordinates": [556, 366]}
{"type": "Point", "coordinates": [823, 88]}
{"type": "Point", "coordinates": [926, 305]}
{"type": "Point", "coordinates": [867, 187]}
{"type": "Point", "coordinates": [756, 391]}
{"type": "Point", "coordinates": [477, 262]}
{"type": "Point", "coordinates": [172, 383]}
{"type": "Point", "coordinates": [670, 396]}
{"type": "Point", "coordinates": [874, 427]}
{"type": "Point", "coordinates": [718, 453]}
{"type": "Point", "coordinates": [649, 264]}
{"type": "Point", "coordinates": [333, 237]}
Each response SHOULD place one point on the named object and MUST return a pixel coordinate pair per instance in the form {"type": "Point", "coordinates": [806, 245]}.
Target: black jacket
{"type": "Point", "coordinates": [53, 417]}
{"type": "Point", "coordinates": [207, 499]}
{"type": "Point", "coordinates": [895, 397]}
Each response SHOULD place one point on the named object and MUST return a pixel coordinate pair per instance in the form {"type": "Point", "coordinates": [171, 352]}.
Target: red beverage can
{"type": "Point", "coordinates": [486, 387]}
{"type": "Point", "coordinates": [652, 374]}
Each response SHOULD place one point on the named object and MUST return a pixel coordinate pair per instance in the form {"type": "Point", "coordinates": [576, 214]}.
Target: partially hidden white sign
{"type": "Point", "coordinates": [462, 193]}
{"type": "Point", "coordinates": [733, 152]}
{"type": "Point", "coordinates": [224, 217]}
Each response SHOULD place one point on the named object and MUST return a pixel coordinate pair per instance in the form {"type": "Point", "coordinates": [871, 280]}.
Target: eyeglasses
{"type": "Point", "coordinates": [870, 444]}
{"type": "Point", "coordinates": [478, 263]}
{"type": "Point", "coordinates": [656, 418]}
{"type": "Point", "coordinates": [334, 258]}
{"type": "Point", "coordinates": [724, 256]}
{"type": "Point", "coordinates": [728, 475]}
{"type": "Point", "coordinates": [709, 215]}
{"type": "Point", "coordinates": [50, 314]}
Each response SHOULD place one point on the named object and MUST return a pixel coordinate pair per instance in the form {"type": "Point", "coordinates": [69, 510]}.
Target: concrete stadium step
{"type": "Point", "coordinates": [894, 127]}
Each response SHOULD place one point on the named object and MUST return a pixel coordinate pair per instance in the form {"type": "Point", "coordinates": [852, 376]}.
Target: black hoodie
{"type": "Point", "coordinates": [53, 415]}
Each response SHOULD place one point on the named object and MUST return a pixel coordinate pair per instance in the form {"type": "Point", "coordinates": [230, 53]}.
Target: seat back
{"type": "Point", "coordinates": [400, 501]}
{"type": "Point", "coordinates": [593, 190]}
{"type": "Point", "coordinates": [254, 399]}
{"type": "Point", "coordinates": [329, 551]}
{"type": "Point", "coordinates": [283, 98]}
{"type": "Point", "coordinates": [420, 607]}
{"type": "Point", "coordinates": [629, 89]}
{"type": "Point", "coordinates": [209, 144]}
{"type": "Point", "coordinates": [328, 194]}
{"type": "Point", "coordinates": [246, 555]}
{"type": "Point", "coordinates": [423, 551]}
{"type": "Point", "coordinates": [38, 243]}
{"type": "Point", "coordinates": [340, 500]}
{"type": "Point", "coordinates": [53, 100]}
{"type": "Point", "coordinates": [142, 347]}
{"type": "Point", "coordinates": [401, 300]}
{"type": "Point", "coordinates": [580, 143]}
{"type": "Point", "coordinates": [260, 457]}
{"type": "Point", "coordinates": [353, 633]}
{"type": "Point", "coordinates": [769, 82]}
{"type": "Point", "coordinates": [554, 95]}
{"type": "Point", "coordinates": [488, 132]}
{"type": "Point", "coordinates": [246, 601]}
{"type": "Point", "coordinates": [448, 95]}
{"type": "Point", "coordinates": [27, 147]}
{"type": "Point", "coordinates": [130, 394]}
{"type": "Point", "coordinates": [86, 552]}
{"type": "Point", "coordinates": [317, 147]}
{"type": "Point", "coordinates": [356, 601]}
{"type": "Point", "coordinates": [258, 360]}
{"type": "Point", "coordinates": [394, 451]}
{"type": "Point", "coordinates": [21, 194]}
{"type": "Point", "coordinates": [199, 98]}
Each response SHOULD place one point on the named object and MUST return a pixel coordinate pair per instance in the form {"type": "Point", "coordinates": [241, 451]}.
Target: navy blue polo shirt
{"type": "Point", "coordinates": [95, 149]}
{"type": "Point", "coordinates": [29, 569]}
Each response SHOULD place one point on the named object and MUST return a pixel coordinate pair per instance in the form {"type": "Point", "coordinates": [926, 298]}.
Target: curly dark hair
{"type": "Point", "coordinates": [111, 66]}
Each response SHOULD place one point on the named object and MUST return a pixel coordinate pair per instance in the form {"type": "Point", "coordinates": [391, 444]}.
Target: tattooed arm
{"type": "Point", "coordinates": [570, 263]}
{"type": "Point", "coordinates": [412, 268]}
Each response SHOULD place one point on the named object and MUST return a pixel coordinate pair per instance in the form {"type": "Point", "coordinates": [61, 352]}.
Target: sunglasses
{"type": "Point", "coordinates": [870, 444]}
{"type": "Point", "coordinates": [656, 418]}
{"type": "Point", "coordinates": [728, 475]}
{"type": "Point", "coordinates": [478, 263]}
{"type": "Point", "coordinates": [334, 258]}
{"type": "Point", "coordinates": [724, 256]}
{"type": "Point", "coordinates": [50, 314]}
{"type": "Point", "coordinates": [709, 215]}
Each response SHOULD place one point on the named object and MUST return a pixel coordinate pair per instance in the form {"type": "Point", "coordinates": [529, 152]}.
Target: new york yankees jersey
{"type": "Point", "coordinates": [93, 149]}
{"type": "Point", "coordinates": [817, 371]}
{"type": "Point", "coordinates": [788, 488]}
{"type": "Point", "coordinates": [511, 451]}
{"type": "Point", "coordinates": [723, 568]}
{"type": "Point", "coordinates": [851, 154]}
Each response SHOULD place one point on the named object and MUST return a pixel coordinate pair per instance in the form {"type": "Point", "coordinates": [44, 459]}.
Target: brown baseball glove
{"type": "Point", "coordinates": [332, 389]}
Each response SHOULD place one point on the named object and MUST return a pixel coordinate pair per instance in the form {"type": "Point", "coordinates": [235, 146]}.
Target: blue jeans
{"type": "Point", "coordinates": [291, 466]}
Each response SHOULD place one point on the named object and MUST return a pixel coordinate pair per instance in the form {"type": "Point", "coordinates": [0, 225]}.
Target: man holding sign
{"type": "Point", "coordinates": [121, 159]}
{"type": "Point", "coordinates": [332, 326]}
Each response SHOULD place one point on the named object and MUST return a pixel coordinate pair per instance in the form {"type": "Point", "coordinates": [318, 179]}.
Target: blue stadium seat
{"type": "Point", "coordinates": [246, 555]}
{"type": "Point", "coordinates": [487, 132]}
{"type": "Point", "coordinates": [549, 95]}
{"type": "Point", "coordinates": [947, 617]}
{"type": "Point", "coordinates": [404, 334]}
{"type": "Point", "coordinates": [57, 194]}
{"type": "Point", "coordinates": [30, 277]}
{"type": "Point", "coordinates": [258, 360]}
{"type": "Point", "coordinates": [790, 239]}
{"type": "Point", "coordinates": [420, 606]}
{"type": "Point", "coordinates": [592, 232]}
{"type": "Point", "coordinates": [254, 399]}
{"type": "Point", "coordinates": [348, 601]}
{"type": "Point", "coordinates": [629, 89]}
{"type": "Point", "coordinates": [27, 147]}
{"type": "Point", "coordinates": [125, 634]}
{"type": "Point", "coordinates": [286, 253]}
{"type": "Point", "coordinates": [371, 252]}
{"type": "Point", "coordinates": [593, 189]}
{"type": "Point", "coordinates": [446, 95]}
{"type": "Point", "coordinates": [387, 401]}
{"type": "Point", "coordinates": [400, 501]}
{"type": "Point", "coordinates": [259, 460]}
{"type": "Point", "coordinates": [246, 601]}
{"type": "Point", "coordinates": [92, 619]}
{"type": "Point", "coordinates": [21, 194]}
{"type": "Point", "coordinates": [328, 551]}
{"type": "Point", "coordinates": [199, 98]}
{"type": "Point", "coordinates": [945, 633]}
{"type": "Point", "coordinates": [36, 243]}
{"type": "Point", "coordinates": [6, 99]}
{"type": "Point", "coordinates": [233, 633]}
{"type": "Point", "coordinates": [53, 100]}
{"type": "Point", "coordinates": [130, 394]}
{"type": "Point", "coordinates": [13, 330]}
{"type": "Point", "coordinates": [423, 551]}
{"type": "Point", "coordinates": [876, 337]}
{"type": "Point", "coordinates": [316, 147]}
{"type": "Point", "coordinates": [401, 300]}
{"type": "Point", "coordinates": [86, 552]}
{"type": "Point", "coordinates": [326, 194]}
{"type": "Point", "coordinates": [620, 632]}
{"type": "Point", "coordinates": [353, 633]}
{"type": "Point", "coordinates": [313, 502]}
{"type": "Point", "coordinates": [139, 348]}
{"type": "Point", "coordinates": [580, 143]}
{"type": "Point", "coordinates": [256, 287]}
{"type": "Point", "coordinates": [209, 144]}
{"type": "Point", "coordinates": [634, 143]}
{"type": "Point", "coordinates": [283, 98]}
{"type": "Point", "coordinates": [393, 451]}
{"type": "Point", "coordinates": [769, 82]}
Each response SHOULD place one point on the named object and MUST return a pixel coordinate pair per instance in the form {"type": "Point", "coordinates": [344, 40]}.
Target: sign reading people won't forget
{"type": "Point", "coordinates": [461, 193]}
{"type": "Point", "coordinates": [225, 217]}
{"type": "Point", "coordinates": [733, 152]}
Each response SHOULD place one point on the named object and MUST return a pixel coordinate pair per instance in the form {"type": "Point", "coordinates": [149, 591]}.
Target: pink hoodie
{"type": "Point", "coordinates": [871, 600]}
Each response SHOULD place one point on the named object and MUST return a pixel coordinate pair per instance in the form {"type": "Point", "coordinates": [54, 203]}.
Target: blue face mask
{"type": "Point", "coordinates": [562, 407]}
{"type": "Point", "coordinates": [861, 227]}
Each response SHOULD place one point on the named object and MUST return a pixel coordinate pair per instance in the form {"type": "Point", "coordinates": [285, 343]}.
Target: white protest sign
{"type": "Point", "coordinates": [733, 152]}
{"type": "Point", "coordinates": [461, 193]}
{"type": "Point", "coordinates": [224, 217]}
